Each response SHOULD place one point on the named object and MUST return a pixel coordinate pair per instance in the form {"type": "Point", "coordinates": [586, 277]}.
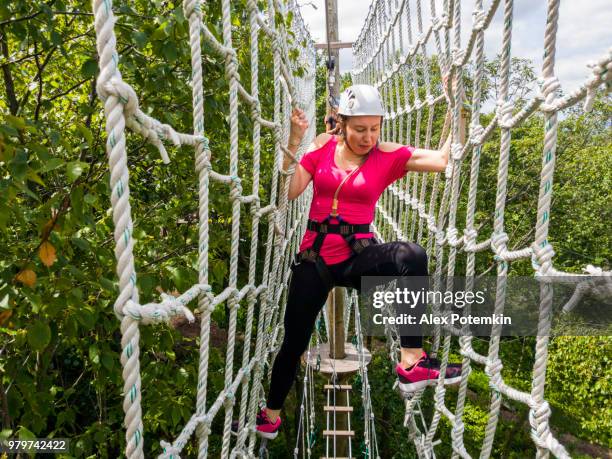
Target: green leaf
{"type": "Point", "coordinates": [25, 434]}
{"type": "Point", "coordinates": [140, 38]}
{"type": "Point", "coordinates": [50, 165]}
{"type": "Point", "coordinates": [86, 318]}
{"type": "Point", "coordinates": [6, 433]}
{"type": "Point", "coordinates": [34, 177]}
{"type": "Point", "coordinates": [90, 199]}
{"type": "Point", "coordinates": [108, 360]}
{"type": "Point", "coordinates": [74, 169]}
{"type": "Point", "coordinates": [107, 284]}
{"type": "Point", "coordinates": [145, 282]}
{"type": "Point", "coordinates": [89, 68]}
{"type": "Point", "coordinates": [15, 121]}
{"type": "Point", "coordinates": [181, 276]}
{"type": "Point", "coordinates": [81, 243]}
{"type": "Point", "coordinates": [19, 165]}
{"type": "Point", "coordinates": [39, 335]}
{"type": "Point", "coordinates": [94, 354]}
{"type": "Point", "coordinates": [84, 130]}
{"type": "Point", "coordinates": [160, 32]}
{"type": "Point", "coordinates": [56, 38]}
{"type": "Point", "coordinates": [169, 51]}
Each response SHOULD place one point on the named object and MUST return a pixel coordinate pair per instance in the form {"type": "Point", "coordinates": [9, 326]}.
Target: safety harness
{"type": "Point", "coordinates": [346, 230]}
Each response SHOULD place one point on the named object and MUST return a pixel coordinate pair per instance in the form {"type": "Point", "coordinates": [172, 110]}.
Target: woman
{"type": "Point", "coordinates": [349, 172]}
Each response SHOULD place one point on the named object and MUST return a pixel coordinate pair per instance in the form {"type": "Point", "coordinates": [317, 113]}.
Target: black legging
{"type": "Point", "coordinates": [308, 293]}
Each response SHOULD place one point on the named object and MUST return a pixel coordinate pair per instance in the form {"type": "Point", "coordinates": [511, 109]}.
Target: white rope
{"type": "Point", "coordinates": [405, 213]}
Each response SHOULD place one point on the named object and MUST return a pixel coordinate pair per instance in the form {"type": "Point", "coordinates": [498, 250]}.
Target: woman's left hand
{"type": "Point", "coordinates": [299, 125]}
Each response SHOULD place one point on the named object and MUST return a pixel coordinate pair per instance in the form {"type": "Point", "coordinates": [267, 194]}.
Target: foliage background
{"type": "Point", "coordinates": [59, 338]}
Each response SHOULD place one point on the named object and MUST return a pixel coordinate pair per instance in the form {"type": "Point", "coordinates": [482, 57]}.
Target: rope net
{"type": "Point", "coordinates": [397, 59]}
{"type": "Point", "coordinates": [414, 208]}
{"type": "Point", "coordinates": [283, 221]}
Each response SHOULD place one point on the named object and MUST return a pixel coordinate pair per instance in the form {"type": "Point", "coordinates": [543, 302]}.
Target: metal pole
{"type": "Point", "coordinates": [333, 53]}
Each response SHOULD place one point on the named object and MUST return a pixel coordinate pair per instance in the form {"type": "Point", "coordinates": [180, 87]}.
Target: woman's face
{"type": "Point", "coordinates": [362, 133]}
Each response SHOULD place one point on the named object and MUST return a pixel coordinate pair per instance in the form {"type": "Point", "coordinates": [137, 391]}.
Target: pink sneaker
{"type": "Point", "coordinates": [425, 373]}
{"type": "Point", "coordinates": [265, 427]}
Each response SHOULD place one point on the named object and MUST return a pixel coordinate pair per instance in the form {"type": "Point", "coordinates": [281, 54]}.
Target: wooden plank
{"type": "Point", "coordinates": [334, 45]}
{"type": "Point", "coordinates": [345, 409]}
{"type": "Point", "coordinates": [337, 387]}
{"type": "Point", "coordinates": [338, 433]}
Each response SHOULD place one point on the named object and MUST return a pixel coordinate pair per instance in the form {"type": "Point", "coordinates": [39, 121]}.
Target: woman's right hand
{"type": "Point", "coordinates": [299, 125]}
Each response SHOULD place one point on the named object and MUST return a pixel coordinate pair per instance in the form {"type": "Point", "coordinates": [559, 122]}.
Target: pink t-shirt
{"type": "Point", "coordinates": [357, 197]}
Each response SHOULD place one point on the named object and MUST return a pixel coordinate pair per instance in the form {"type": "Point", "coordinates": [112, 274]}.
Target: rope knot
{"type": "Point", "coordinates": [479, 19]}
{"type": "Point", "coordinates": [456, 151]}
{"type": "Point", "coordinates": [498, 242]}
{"type": "Point", "coordinates": [457, 56]}
{"type": "Point", "coordinates": [122, 91]}
{"type": "Point", "coordinates": [435, 22]}
{"type": "Point", "coordinates": [231, 65]}
{"type": "Point", "coordinates": [229, 400]}
{"type": "Point", "coordinates": [151, 313]}
{"type": "Point", "coordinates": [469, 235]}
{"type": "Point", "coordinates": [204, 141]}
{"type": "Point", "coordinates": [541, 257]}
{"type": "Point", "coordinates": [601, 72]}
{"type": "Point", "coordinates": [493, 371]}
{"type": "Point", "coordinates": [236, 190]}
{"type": "Point", "coordinates": [550, 86]}
{"type": "Point", "coordinates": [191, 6]}
{"type": "Point", "coordinates": [256, 110]}
{"type": "Point", "coordinates": [445, 20]}
{"type": "Point", "coordinates": [476, 133]}
{"type": "Point", "coordinates": [452, 236]}
{"type": "Point", "coordinates": [504, 113]}
{"type": "Point", "coordinates": [538, 418]}
{"type": "Point", "coordinates": [205, 423]}
{"type": "Point", "coordinates": [170, 452]}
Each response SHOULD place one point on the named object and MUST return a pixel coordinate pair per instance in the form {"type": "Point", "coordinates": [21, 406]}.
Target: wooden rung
{"type": "Point", "coordinates": [337, 387]}
{"type": "Point", "coordinates": [345, 409]}
{"type": "Point", "coordinates": [338, 433]}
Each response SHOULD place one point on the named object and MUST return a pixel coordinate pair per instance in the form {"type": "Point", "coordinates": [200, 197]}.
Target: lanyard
{"type": "Point", "coordinates": [334, 211]}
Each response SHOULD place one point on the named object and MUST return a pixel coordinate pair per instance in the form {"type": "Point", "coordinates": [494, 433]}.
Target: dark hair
{"type": "Point", "coordinates": [341, 121]}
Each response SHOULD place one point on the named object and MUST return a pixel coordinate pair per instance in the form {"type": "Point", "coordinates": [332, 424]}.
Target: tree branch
{"type": "Point", "coordinates": [38, 76]}
{"type": "Point", "coordinates": [67, 91]}
{"type": "Point", "coordinates": [8, 77]}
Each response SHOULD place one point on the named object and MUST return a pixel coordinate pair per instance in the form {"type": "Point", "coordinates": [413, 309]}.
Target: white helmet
{"type": "Point", "coordinates": [359, 100]}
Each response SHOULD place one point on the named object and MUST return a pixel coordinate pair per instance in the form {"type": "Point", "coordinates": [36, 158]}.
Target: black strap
{"type": "Point", "coordinates": [345, 229]}
{"type": "Point", "coordinates": [357, 245]}
{"type": "Point", "coordinates": [324, 228]}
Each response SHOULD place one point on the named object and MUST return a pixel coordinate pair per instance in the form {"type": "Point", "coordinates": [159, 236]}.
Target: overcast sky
{"type": "Point", "coordinates": [584, 32]}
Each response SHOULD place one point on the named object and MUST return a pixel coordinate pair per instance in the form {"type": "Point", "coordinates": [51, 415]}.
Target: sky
{"type": "Point", "coordinates": [584, 34]}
